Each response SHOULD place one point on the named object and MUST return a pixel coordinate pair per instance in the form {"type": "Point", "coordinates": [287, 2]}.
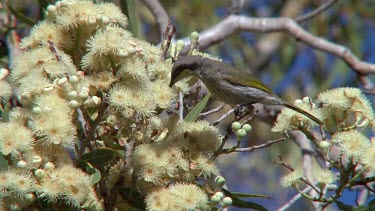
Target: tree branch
{"type": "Point", "coordinates": [236, 23]}
{"type": "Point", "coordinates": [315, 12]}
{"type": "Point", "coordinates": [159, 13]}
{"type": "Point", "coordinates": [269, 143]}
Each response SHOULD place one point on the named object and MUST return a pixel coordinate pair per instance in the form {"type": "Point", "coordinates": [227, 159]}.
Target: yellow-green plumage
{"type": "Point", "coordinates": [229, 84]}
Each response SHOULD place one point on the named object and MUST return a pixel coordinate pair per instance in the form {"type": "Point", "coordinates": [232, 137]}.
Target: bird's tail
{"type": "Point", "coordinates": [300, 110]}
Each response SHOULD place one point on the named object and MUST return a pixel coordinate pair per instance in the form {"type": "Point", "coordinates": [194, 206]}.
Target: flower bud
{"type": "Point", "coordinates": [48, 88]}
{"type": "Point", "coordinates": [36, 159]}
{"type": "Point", "coordinates": [49, 166]}
{"type": "Point", "coordinates": [58, 4]}
{"type": "Point", "coordinates": [247, 127]}
{"type": "Point", "coordinates": [64, 3]}
{"type": "Point", "coordinates": [227, 201]}
{"type": "Point", "coordinates": [26, 96]}
{"type": "Point", "coordinates": [73, 79]}
{"type": "Point", "coordinates": [172, 51]}
{"type": "Point", "coordinates": [37, 110]}
{"type": "Point", "coordinates": [93, 101]}
{"type": "Point", "coordinates": [180, 45]}
{"type": "Point", "coordinates": [80, 74]}
{"type": "Point", "coordinates": [220, 194]}
{"type": "Point", "coordinates": [219, 180]}
{"type": "Point", "coordinates": [62, 81]}
{"type": "Point", "coordinates": [39, 174]}
{"type": "Point", "coordinates": [241, 133]}
{"type": "Point", "coordinates": [29, 198]}
{"type": "Point", "coordinates": [132, 43]}
{"type": "Point", "coordinates": [123, 53]}
{"type": "Point", "coordinates": [324, 144]}
{"type": "Point", "coordinates": [21, 164]}
{"type": "Point", "coordinates": [52, 10]}
{"type": "Point", "coordinates": [96, 100]}
{"type": "Point", "coordinates": [83, 95]}
{"type": "Point", "coordinates": [3, 73]}
{"type": "Point", "coordinates": [236, 126]}
{"type": "Point", "coordinates": [105, 20]}
{"type": "Point", "coordinates": [72, 94]}
{"type": "Point", "coordinates": [74, 104]}
{"type": "Point", "coordinates": [85, 88]}
{"type": "Point", "coordinates": [194, 37]}
{"type": "Point", "coordinates": [215, 199]}
{"type": "Point", "coordinates": [131, 50]}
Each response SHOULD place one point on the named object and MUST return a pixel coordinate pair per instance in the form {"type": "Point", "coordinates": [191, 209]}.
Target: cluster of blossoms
{"type": "Point", "coordinates": [346, 114]}
{"type": "Point", "coordinates": [81, 68]}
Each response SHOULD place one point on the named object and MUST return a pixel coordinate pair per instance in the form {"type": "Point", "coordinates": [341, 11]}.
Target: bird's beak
{"type": "Point", "coordinates": [178, 74]}
{"type": "Point", "coordinates": [172, 83]}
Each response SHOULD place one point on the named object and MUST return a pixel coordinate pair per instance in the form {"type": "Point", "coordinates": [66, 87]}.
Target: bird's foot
{"type": "Point", "coordinates": [242, 110]}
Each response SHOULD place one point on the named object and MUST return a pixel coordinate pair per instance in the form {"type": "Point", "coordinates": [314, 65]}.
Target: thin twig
{"type": "Point", "coordinates": [82, 121]}
{"type": "Point", "coordinates": [217, 109]}
{"type": "Point", "coordinates": [236, 7]}
{"type": "Point", "coordinates": [315, 12]}
{"type": "Point", "coordinates": [181, 105]}
{"type": "Point", "coordinates": [250, 117]}
{"type": "Point", "coordinates": [167, 36]}
{"type": "Point", "coordinates": [224, 116]}
{"type": "Point", "coordinates": [93, 126]}
{"type": "Point", "coordinates": [110, 201]}
{"type": "Point", "coordinates": [252, 148]}
{"type": "Point", "coordinates": [52, 48]}
{"type": "Point", "coordinates": [220, 149]}
{"type": "Point", "coordinates": [128, 153]}
{"type": "Point", "coordinates": [303, 179]}
{"type": "Point", "coordinates": [296, 197]}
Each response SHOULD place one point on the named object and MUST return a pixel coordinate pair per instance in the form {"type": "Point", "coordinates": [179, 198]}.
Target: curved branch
{"type": "Point", "coordinates": [159, 13]}
{"type": "Point", "coordinates": [235, 23]}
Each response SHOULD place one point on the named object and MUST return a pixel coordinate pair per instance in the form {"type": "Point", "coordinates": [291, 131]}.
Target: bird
{"type": "Point", "coordinates": [228, 84]}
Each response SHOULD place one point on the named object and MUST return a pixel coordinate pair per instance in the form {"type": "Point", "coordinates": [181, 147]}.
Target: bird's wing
{"type": "Point", "coordinates": [243, 78]}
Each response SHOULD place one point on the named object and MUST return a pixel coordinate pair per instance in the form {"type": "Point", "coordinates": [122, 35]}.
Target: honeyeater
{"type": "Point", "coordinates": [228, 84]}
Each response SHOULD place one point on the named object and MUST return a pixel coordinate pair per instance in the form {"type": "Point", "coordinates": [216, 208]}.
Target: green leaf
{"type": "Point", "coordinates": [21, 17]}
{"type": "Point", "coordinates": [88, 168]}
{"type": "Point", "coordinates": [121, 152]}
{"type": "Point", "coordinates": [249, 195]}
{"type": "Point", "coordinates": [342, 206]}
{"type": "Point", "coordinates": [5, 112]}
{"type": "Point", "coordinates": [3, 163]}
{"type": "Point", "coordinates": [100, 156]}
{"type": "Point", "coordinates": [243, 204]}
{"type": "Point", "coordinates": [42, 8]}
{"type": "Point", "coordinates": [95, 178]}
{"type": "Point", "coordinates": [133, 197]}
{"type": "Point", "coordinates": [194, 112]}
{"type": "Point", "coordinates": [129, 9]}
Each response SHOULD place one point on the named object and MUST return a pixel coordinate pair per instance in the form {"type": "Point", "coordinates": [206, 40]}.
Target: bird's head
{"type": "Point", "coordinates": [186, 66]}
